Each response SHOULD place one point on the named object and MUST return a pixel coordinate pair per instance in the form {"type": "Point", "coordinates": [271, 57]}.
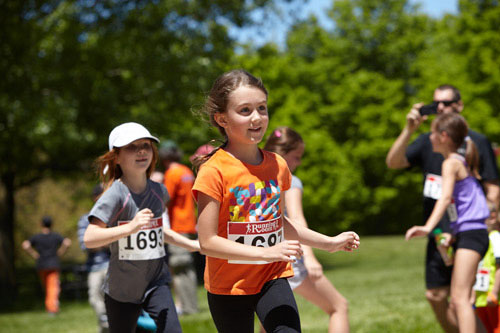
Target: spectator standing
{"type": "Point", "coordinates": [46, 248]}
{"type": "Point", "coordinates": [97, 267]}
{"type": "Point", "coordinates": [178, 180]}
{"type": "Point", "coordinates": [419, 154]}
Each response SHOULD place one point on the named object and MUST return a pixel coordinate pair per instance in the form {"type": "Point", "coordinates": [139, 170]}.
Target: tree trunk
{"type": "Point", "coordinates": [7, 257]}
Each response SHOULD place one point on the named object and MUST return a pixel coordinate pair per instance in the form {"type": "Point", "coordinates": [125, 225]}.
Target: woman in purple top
{"type": "Point", "coordinates": [463, 199]}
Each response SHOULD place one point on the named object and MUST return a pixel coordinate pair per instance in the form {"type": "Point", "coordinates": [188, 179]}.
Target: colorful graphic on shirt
{"type": "Point", "coordinates": [260, 201]}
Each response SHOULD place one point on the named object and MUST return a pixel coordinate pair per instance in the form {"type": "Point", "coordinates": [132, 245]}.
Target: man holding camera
{"type": "Point", "coordinates": [419, 153]}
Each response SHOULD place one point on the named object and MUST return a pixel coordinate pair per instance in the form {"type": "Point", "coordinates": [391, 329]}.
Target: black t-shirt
{"type": "Point", "coordinates": [419, 153]}
{"type": "Point", "coordinates": [47, 245]}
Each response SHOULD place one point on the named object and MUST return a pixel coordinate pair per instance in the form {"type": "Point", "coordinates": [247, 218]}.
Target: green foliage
{"type": "Point", "coordinates": [347, 91]}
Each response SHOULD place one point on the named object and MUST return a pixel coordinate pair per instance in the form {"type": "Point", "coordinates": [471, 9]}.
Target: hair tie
{"type": "Point", "coordinates": [277, 133]}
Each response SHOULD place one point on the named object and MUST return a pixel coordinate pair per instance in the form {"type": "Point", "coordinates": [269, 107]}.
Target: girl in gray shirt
{"type": "Point", "coordinates": [129, 217]}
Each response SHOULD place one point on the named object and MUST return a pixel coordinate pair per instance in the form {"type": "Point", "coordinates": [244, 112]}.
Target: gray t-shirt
{"type": "Point", "coordinates": [137, 264]}
{"type": "Point", "coordinates": [296, 183]}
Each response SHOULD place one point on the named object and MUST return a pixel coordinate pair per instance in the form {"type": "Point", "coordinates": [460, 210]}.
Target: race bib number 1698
{"type": "Point", "coordinates": [261, 234]}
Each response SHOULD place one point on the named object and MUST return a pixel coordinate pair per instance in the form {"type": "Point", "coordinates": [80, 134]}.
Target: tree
{"type": "Point", "coordinates": [75, 69]}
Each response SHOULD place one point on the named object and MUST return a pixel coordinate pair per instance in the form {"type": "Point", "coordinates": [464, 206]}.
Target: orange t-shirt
{"type": "Point", "coordinates": [250, 213]}
{"type": "Point", "coordinates": [179, 181]}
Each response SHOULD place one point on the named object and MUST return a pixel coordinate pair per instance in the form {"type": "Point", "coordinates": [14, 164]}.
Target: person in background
{"type": "Point", "coordinates": [179, 179]}
{"type": "Point", "coordinates": [199, 259]}
{"type": "Point", "coordinates": [97, 267]}
{"type": "Point", "coordinates": [403, 155]}
{"type": "Point", "coordinates": [46, 248]}
{"type": "Point", "coordinates": [487, 284]}
{"type": "Point", "coordinates": [309, 281]}
{"type": "Point", "coordinates": [463, 199]}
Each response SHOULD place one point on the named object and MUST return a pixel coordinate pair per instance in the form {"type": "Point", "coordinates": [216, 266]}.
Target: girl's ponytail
{"type": "Point", "coordinates": [107, 169]}
{"type": "Point", "coordinates": [200, 159]}
{"type": "Point", "coordinates": [472, 157]}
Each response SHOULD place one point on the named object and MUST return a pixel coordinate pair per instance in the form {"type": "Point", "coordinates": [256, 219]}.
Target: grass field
{"type": "Point", "coordinates": [383, 281]}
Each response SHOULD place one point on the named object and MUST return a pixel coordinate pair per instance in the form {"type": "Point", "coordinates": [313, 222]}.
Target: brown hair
{"type": "Point", "coordinates": [218, 99]}
{"type": "Point", "coordinates": [108, 171]}
{"type": "Point", "coordinates": [283, 140]}
{"type": "Point", "coordinates": [456, 127]}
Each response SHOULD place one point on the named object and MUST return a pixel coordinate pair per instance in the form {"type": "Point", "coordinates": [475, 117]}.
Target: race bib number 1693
{"type": "Point", "coordinates": [145, 244]}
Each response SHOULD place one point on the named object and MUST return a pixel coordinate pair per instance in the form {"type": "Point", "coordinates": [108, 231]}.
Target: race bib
{"type": "Point", "coordinates": [432, 186]}
{"type": "Point", "coordinates": [145, 244]}
{"type": "Point", "coordinates": [452, 211]}
{"type": "Point", "coordinates": [261, 234]}
{"type": "Point", "coordinates": [482, 280]}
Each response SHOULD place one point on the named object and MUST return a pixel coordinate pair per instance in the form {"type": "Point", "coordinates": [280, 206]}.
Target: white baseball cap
{"type": "Point", "coordinates": [126, 133]}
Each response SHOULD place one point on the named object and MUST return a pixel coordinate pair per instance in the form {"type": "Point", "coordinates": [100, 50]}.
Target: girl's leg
{"type": "Point", "coordinates": [323, 294]}
{"type": "Point", "coordinates": [232, 313]}
{"type": "Point", "coordinates": [276, 307]}
{"type": "Point", "coordinates": [160, 306]}
{"type": "Point", "coordinates": [462, 280]}
{"type": "Point", "coordinates": [122, 317]}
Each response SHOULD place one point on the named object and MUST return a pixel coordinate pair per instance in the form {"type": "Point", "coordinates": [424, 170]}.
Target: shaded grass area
{"type": "Point", "coordinates": [383, 281]}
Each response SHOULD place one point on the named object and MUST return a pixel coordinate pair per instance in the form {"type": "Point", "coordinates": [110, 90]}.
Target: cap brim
{"type": "Point", "coordinates": [122, 143]}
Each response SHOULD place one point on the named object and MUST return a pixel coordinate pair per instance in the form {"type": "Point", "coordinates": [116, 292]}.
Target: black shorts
{"type": "Point", "coordinates": [437, 274]}
{"type": "Point", "coordinates": [476, 240]}
{"type": "Point", "coordinates": [275, 306]}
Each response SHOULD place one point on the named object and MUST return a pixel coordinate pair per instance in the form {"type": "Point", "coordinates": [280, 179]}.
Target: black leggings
{"type": "Point", "coordinates": [122, 317]}
{"type": "Point", "coordinates": [275, 306]}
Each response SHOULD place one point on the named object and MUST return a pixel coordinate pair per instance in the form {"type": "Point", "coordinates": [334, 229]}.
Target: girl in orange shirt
{"type": "Point", "coordinates": [239, 189]}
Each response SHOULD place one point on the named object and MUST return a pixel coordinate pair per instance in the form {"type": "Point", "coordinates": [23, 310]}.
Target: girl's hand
{"type": "Point", "coordinates": [194, 246]}
{"type": "Point", "coordinates": [346, 241]}
{"type": "Point", "coordinates": [417, 231]}
{"type": "Point", "coordinates": [314, 268]}
{"type": "Point", "coordinates": [141, 219]}
{"type": "Point", "coordinates": [448, 238]}
{"type": "Point", "coordinates": [284, 251]}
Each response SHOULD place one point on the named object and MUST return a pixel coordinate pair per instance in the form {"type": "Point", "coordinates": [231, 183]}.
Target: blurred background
{"type": "Point", "coordinates": [342, 73]}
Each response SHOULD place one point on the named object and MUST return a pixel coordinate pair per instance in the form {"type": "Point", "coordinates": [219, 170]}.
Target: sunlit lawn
{"type": "Point", "coordinates": [383, 282]}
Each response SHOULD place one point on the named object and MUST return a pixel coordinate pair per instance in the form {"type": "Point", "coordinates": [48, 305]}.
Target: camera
{"type": "Point", "coordinates": [428, 109]}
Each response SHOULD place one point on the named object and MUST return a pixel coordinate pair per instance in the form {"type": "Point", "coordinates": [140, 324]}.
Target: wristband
{"type": "Point", "coordinates": [492, 297]}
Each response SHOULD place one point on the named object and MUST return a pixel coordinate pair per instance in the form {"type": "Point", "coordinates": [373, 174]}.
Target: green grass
{"type": "Point", "coordinates": [383, 281]}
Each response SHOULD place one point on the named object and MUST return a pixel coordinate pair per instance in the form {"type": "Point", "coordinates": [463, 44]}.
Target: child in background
{"type": "Point", "coordinates": [129, 218]}
{"type": "Point", "coordinates": [488, 276]}
{"type": "Point", "coordinates": [308, 280]}
{"type": "Point", "coordinates": [463, 198]}
{"type": "Point", "coordinates": [239, 189]}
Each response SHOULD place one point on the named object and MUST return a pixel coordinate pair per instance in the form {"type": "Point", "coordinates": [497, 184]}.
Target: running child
{"type": "Point", "coordinates": [487, 283]}
{"type": "Point", "coordinates": [129, 217]}
{"type": "Point", "coordinates": [463, 199]}
{"type": "Point", "coordinates": [308, 280]}
{"type": "Point", "coordinates": [248, 243]}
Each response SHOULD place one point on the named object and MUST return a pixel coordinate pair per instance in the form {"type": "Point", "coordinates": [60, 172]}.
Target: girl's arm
{"type": "Point", "coordinates": [450, 169]}
{"type": "Point", "coordinates": [64, 247]}
{"type": "Point", "coordinates": [97, 233]}
{"type": "Point", "coordinates": [293, 200]}
{"type": "Point", "coordinates": [346, 241]}
{"type": "Point", "coordinates": [175, 238]}
{"type": "Point", "coordinates": [215, 246]}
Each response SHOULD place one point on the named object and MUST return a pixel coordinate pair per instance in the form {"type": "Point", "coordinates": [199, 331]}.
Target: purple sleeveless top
{"type": "Point", "coordinates": [471, 206]}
